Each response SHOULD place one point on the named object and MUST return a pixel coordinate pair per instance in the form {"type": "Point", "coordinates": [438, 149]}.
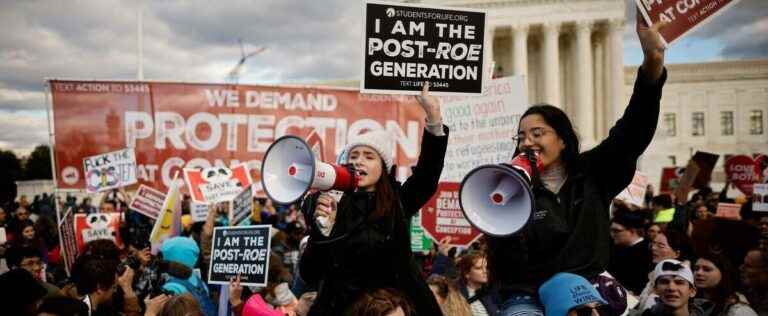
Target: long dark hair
{"type": "Point", "coordinates": [724, 290]}
{"type": "Point", "coordinates": [385, 194]}
{"type": "Point", "coordinates": [558, 120]}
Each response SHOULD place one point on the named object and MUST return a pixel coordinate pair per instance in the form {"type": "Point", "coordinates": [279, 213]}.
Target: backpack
{"type": "Point", "coordinates": [200, 293]}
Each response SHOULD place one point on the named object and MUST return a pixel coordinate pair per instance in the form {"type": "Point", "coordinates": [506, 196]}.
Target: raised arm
{"type": "Point", "coordinates": [617, 155]}
{"type": "Point", "coordinates": [423, 181]}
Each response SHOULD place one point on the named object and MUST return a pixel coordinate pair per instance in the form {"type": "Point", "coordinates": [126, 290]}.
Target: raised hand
{"type": "Point", "coordinates": [430, 104]}
{"type": "Point", "coordinates": [653, 46]}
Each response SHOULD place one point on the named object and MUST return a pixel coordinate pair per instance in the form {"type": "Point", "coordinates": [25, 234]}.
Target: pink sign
{"type": "Point", "coordinates": [728, 210]}
{"type": "Point", "coordinates": [148, 201]}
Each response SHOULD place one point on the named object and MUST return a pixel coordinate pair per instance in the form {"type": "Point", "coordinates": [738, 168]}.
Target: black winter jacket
{"type": "Point", "coordinates": [363, 254]}
{"type": "Point", "coordinates": [568, 231]}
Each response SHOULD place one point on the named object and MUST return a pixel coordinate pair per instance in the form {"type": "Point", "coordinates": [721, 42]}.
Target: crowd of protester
{"type": "Point", "coordinates": [696, 261]}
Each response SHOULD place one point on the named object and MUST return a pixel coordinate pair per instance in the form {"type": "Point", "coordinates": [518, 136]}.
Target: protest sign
{"type": "Point", "coordinates": [634, 193]}
{"type": "Point", "coordinates": [240, 251]}
{"type": "Point", "coordinates": [670, 179]}
{"type": "Point", "coordinates": [110, 171]}
{"type": "Point", "coordinates": [728, 210]}
{"type": "Point", "coordinates": [241, 207]}
{"type": "Point", "coordinates": [148, 201]}
{"type": "Point", "coordinates": [172, 126]}
{"type": "Point", "coordinates": [482, 127]}
{"type": "Point", "coordinates": [405, 45]}
{"type": "Point", "coordinates": [420, 242]}
{"type": "Point", "coordinates": [760, 198]}
{"type": "Point", "coordinates": [442, 217]}
{"type": "Point", "coordinates": [67, 239]}
{"type": "Point", "coordinates": [762, 163]}
{"type": "Point", "coordinates": [217, 184]}
{"type": "Point", "coordinates": [198, 211]}
{"type": "Point", "coordinates": [743, 172]}
{"type": "Point", "coordinates": [683, 16]}
{"type": "Point", "coordinates": [706, 163]}
{"type": "Point", "coordinates": [97, 226]}
{"type": "Point", "coordinates": [686, 181]}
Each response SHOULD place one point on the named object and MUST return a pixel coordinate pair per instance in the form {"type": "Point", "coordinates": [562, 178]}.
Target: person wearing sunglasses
{"type": "Point", "coordinates": [676, 288]}
{"type": "Point", "coordinates": [568, 294]}
{"type": "Point", "coordinates": [569, 228]}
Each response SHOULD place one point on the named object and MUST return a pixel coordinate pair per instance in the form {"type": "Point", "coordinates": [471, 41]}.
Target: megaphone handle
{"type": "Point", "coordinates": [532, 159]}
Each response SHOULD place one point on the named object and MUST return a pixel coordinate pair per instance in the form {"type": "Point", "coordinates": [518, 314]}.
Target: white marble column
{"type": "Point", "coordinates": [488, 47]}
{"type": "Point", "coordinates": [551, 64]}
{"type": "Point", "coordinates": [615, 70]}
{"type": "Point", "coordinates": [520, 50]}
{"type": "Point", "coordinates": [599, 77]}
{"type": "Point", "coordinates": [583, 89]}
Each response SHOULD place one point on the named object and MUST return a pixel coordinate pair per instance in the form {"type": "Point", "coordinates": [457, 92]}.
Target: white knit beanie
{"type": "Point", "coordinates": [380, 140]}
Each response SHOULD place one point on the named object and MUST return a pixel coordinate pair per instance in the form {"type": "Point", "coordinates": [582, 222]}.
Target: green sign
{"type": "Point", "coordinates": [420, 242]}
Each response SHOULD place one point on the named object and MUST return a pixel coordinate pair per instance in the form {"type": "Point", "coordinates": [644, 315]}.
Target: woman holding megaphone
{"type": "Point", "coordinates": [568, 230]}
{"type": "Point", "coordinates": [365, 243]}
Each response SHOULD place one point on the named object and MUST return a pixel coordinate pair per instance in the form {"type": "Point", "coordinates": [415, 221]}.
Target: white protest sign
{"type": "Point", "coordinates": [241, 207]}
{"type": "Point", "coordinates": [760, 197]}
{"type": "Point", "coordinates": [406, 44]}
{"type": "Point", "coordinates": [482, 127]}
{"type": "Point", "coordinates": [198, 211]}
{"type": "Point", "coordinates": [110, 170]}
{"type": "Point", "coordinates": [148, 201]}
{"type": "Point", "coordinates": [634, 193]}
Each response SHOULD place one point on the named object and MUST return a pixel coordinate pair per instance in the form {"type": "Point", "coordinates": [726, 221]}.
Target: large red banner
{"type": "Point", "coordinates": [180, 125]}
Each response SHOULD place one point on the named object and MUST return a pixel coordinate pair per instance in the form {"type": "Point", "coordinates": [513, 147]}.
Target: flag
{"type": "Point", "coordinates": [168, 223]}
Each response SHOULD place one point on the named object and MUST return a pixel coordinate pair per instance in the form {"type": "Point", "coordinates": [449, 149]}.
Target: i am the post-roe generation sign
{"type": "Point", "coordinates": [405, 45]}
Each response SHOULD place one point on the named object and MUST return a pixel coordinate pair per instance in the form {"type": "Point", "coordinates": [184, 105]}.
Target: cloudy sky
{"type": "Point", "coordinates": [198, 41]}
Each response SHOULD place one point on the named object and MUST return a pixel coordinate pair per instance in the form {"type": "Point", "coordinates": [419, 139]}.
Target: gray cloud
{"type": "Point", "coordinates": [196, 41]}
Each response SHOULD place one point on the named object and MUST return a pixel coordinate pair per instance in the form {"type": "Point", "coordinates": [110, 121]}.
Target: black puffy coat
{"type": "Point", "coordinates": [568, 231]}
{"type": "Point", "coordinates": [363, 254]}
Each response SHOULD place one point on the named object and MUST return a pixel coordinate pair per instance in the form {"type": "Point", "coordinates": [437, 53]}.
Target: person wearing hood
{"type": "Point", "coordinates": [184, 251]}
{"type": "Point", "coordinates": [361, 243]}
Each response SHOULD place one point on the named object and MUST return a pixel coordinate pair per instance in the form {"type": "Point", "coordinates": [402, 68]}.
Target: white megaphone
{"type": "Point", "coordinates": [497, 199]}
{"type": "Point", "coordinates": [290, 169]}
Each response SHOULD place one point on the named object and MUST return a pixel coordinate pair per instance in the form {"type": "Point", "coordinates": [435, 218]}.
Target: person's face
{"type": "Point", "coordinates": [653, 231]}
{"type": "Point", "coordinates": [28, 232]}
{"type": "Point", "coordinates": [107, 208]}
{"type": "Point", "coordinates": [660, 249]}
{"type": "Point", "coordinates": [674, 291]}
{"type": "Point", "coordinates": [479, 272]}
{"type": "Point", "coordinates": [535, 134]}
{"type": "Point", "coordinates": [591, 309]}
{"type": "Point", "coordinates": [622, 236]}
{"type": "Point", "coordinates": [702, 212]}
{"type": "Point", "coordinates": [2, 215]}
{"type": "Point", "coordinates": [398, 312]}
{"type": "Point", "coordinates": [34, 265]}
{"type": "Point", "coordinates": [753, 271]}
{"type": "Point", "coordinates": [763, 225]}
{"type": "Point", "coordinates": [22, 214]}
{"type": "Point", "coordinates": [706, 275]}
{"type": "Point", "coordinates": [368, 166]}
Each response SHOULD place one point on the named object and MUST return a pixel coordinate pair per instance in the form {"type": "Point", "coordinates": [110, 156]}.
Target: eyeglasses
{"type": "Point", "coordinates": [586, 310]}
{"type": "Point", "coordinates": [535, 134]}
{"type": "Point", "coordinates": [616, 230]}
